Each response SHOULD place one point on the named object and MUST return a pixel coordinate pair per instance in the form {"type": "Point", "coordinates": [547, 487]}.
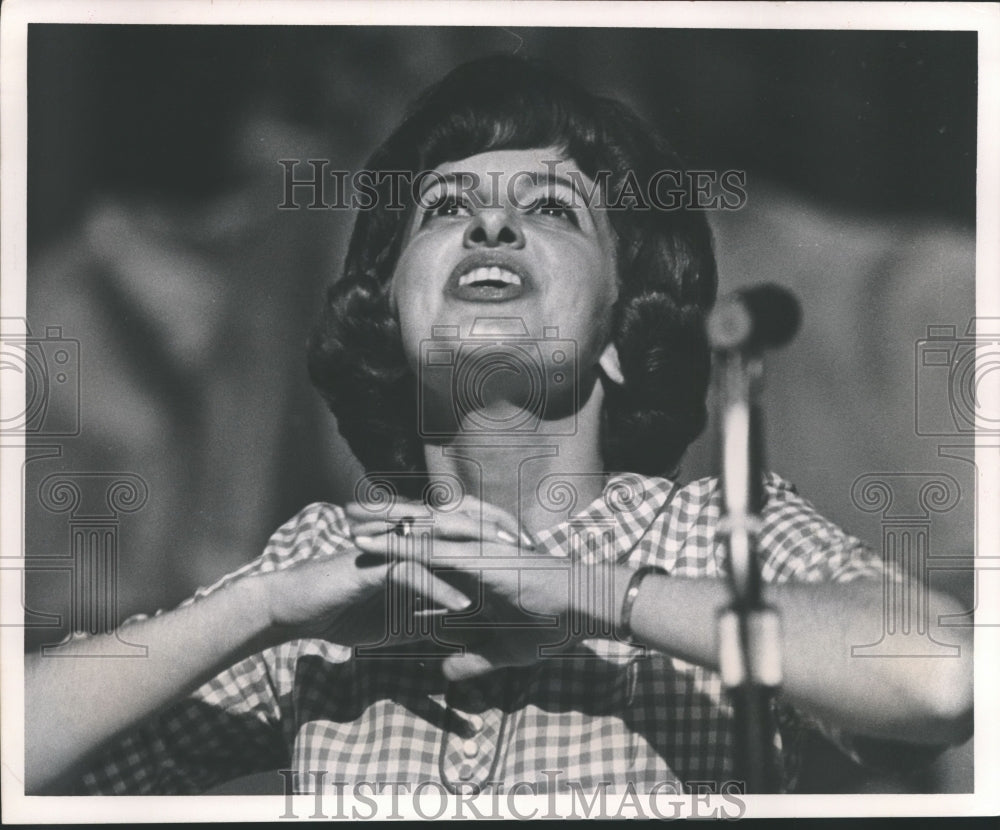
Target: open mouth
{"type": "Point", "coordinates": [487, 283]}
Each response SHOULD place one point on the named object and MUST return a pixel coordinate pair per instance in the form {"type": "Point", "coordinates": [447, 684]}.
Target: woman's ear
{"type": "Point", "coordinates": [393, 304]}
{"type": "Point", "coordinates": [610, 365]}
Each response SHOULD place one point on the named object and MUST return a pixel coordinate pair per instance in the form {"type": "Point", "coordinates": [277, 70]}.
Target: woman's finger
{"type": "Point", "coordinates": [498, 516]}
{"type": "Point", "coordinates": [458, 667]}
{"type": "Point", "coordinates": [421, 583]}
{"type": "Point", "coordinates": [363, 511]}
{"type": "Point", "coordinates": [486, 657]}
{"type": "Point", "coordinates": [455, 526]}
{"type": "Point", "coordinates": [474, 518]}
{"type": "Point", "coordinates": [444, 553]}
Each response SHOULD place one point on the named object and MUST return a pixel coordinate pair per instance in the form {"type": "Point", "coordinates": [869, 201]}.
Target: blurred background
{"type": "Point", "coordinates": [155, 242]}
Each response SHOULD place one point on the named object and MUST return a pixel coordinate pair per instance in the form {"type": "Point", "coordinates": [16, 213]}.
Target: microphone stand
{"type": "Point", "coordinates": [749, 637]}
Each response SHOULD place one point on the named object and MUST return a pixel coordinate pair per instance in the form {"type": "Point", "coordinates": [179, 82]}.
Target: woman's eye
{"type": "Point", "coordinates": [444, 207]}
{"type": "Point", "coordinates": [450, 206]}
{"type": "Point", "coordinates": [557, 209]}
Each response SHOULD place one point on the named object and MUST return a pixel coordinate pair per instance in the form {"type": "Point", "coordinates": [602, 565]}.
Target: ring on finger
{"type": "Point", "coordinates": [404, 527]}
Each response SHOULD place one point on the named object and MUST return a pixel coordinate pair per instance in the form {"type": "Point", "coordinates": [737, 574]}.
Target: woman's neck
{"type": "Point", "coordinates": [541, 478]}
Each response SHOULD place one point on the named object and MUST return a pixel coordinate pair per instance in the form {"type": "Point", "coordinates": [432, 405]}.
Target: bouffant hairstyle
{"type": "Point", "coordinates": [667, 272]}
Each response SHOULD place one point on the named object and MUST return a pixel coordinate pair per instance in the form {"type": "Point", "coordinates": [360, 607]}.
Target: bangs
{"type": "Point", "coordinates": [520, 125]}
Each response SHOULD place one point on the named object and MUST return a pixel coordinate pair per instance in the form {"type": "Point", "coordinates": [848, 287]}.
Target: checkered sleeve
{"type": "Point", "coordinates": [800, 545]}
{"type": "Point", "coordinates": [230, 726]}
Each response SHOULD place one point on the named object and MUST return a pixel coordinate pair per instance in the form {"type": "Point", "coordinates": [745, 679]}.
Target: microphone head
{"type": "Point", "coordinates": [761, 317]}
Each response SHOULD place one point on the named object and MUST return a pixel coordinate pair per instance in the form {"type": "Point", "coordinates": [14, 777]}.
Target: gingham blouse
{"type": "Point", "coordinates": [612, 713]}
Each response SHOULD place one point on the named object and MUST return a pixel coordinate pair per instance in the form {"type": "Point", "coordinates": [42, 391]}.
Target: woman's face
{"type": "Point", "coordinates": [503, 244]}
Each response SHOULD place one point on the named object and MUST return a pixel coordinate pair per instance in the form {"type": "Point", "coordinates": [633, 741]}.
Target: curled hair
{"type": "Point", "coordinates": [666, 269]}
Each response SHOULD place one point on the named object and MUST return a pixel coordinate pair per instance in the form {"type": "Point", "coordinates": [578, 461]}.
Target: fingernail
{"type": "Point", "coordinates": [506, 536]}
{"type": "Point", "coordinates": [463, 604]}
{"type": "Point", "coordinates": [527, 539]}
{"type": "Point", "coordinates": [366, 534]}
{"type": "Point", "coordinates": [432, 612]}
{"type": "Point", "coordinates": [364, 540]}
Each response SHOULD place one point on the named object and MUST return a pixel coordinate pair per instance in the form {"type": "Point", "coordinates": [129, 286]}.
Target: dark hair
{"type": "Point", "coordinates": [667, 272]}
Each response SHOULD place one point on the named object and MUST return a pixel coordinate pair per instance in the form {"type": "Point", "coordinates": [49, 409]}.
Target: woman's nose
{"type": "Point", "coordinates": [492, 228]}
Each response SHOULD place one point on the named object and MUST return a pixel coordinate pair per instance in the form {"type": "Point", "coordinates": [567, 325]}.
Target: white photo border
{"type": "Point", "coordinates": [982, 18]}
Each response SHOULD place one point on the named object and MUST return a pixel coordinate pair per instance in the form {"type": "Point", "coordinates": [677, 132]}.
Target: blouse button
{"type": "Point", "coordinates": [465, 773]}
{"type": "Point", "coordinates": [475, 722]}
{"type": "Point", "coordinates": [470, 748]}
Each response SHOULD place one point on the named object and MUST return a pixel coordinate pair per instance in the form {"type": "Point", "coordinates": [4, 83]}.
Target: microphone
{"type": "Point", "coordinates": [763, 316]}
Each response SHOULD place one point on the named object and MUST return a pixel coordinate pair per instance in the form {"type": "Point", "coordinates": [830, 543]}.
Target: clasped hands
{"type": "Point", "coordinates": [468, 569]}
{"type": "Point", "coordinates": [516, 597]}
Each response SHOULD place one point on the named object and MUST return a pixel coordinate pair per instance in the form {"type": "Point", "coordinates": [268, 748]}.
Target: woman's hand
{"type": "Point", "coordinates": [526, 596]}
{"type": "Point", "coordinates": [348, 598]}
{"type": "Point", "coordinates": [352, 598]}
{"type": "Point", "coordinates": [469, 519]}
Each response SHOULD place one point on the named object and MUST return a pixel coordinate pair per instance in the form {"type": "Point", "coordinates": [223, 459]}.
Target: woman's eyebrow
{"type": "Point", "coordinates": [465, 180]}
{"type": "Point", "coordinates": [537, 179]}
{"type": "Point", "coordinates": [573, 183]}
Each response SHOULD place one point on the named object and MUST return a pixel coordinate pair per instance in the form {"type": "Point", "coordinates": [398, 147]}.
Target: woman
{"type": "Point", "coordinates": [522, 592]}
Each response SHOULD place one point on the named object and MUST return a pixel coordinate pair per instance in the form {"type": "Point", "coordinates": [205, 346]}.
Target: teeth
{"type": "Point", "coordinates": [490, 274]}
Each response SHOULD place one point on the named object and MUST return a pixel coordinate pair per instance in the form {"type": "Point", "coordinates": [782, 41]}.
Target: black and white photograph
{"type": "Point", "coordinates": [538, 410]}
